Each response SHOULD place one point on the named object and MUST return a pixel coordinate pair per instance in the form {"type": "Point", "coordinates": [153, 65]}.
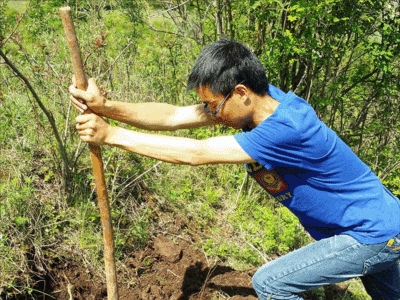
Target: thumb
{"type": "Point", "coordinates": [77, 93]}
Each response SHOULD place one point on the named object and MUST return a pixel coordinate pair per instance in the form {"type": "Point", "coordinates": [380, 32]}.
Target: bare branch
{"type": "Point", "coordinates": [172, 8]}
{"type": "Point", "coordinates": [149, 25]}
{"type": "Point", "coordinates": [123, 50]}
{"type": "Point", "coordinates": [48, 114]}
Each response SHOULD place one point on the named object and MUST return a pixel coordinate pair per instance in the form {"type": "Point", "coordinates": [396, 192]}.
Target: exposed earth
{"type": "Point", "coordinates": [163, 270]}
{"type": "Point", "coordinates": [169, 267]}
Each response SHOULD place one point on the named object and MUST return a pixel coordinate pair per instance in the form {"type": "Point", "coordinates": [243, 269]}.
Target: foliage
{"type": "Point", "coordinates": [280, 228]}
{"type": "Point", "coordinates": [341, 56]}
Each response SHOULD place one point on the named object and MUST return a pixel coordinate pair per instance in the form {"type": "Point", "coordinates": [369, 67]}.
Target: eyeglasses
{"type": "Point", "coordinates": [214, 113]}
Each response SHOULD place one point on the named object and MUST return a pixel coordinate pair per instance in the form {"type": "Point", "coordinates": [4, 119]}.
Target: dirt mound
{"type": "Point", "coordinates": [168, 268]}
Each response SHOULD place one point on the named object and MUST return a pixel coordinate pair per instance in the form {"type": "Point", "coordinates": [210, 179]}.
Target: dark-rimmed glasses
{"type": "Point", "coordinates": [214, 113]}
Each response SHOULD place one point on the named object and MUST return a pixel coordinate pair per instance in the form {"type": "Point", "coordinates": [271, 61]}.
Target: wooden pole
{"type": "Point", "coordinates": [97, 162]}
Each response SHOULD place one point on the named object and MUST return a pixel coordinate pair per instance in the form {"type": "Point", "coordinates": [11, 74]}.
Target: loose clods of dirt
{"type": "Point", "coordinates": [167, 269]}
{"type": "Point", "coordinates": [177, 271]}
{"type": "Point", "coordinates": [167, 249]}
{"type": "Point", "coordinates": [170, 267]}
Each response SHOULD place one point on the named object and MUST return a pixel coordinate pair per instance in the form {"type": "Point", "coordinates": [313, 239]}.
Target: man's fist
{"type": "Point", "coordinates": [91, 98]}
{"type": "Point", "coordinates": [92, 129]}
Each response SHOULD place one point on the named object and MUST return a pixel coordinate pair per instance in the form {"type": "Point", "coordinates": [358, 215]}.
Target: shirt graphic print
{"type": "Point", "coordinates": [268, 179]}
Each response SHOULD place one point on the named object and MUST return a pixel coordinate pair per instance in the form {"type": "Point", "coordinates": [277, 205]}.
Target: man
{"type": "Point", "coordinates": [289, 151]}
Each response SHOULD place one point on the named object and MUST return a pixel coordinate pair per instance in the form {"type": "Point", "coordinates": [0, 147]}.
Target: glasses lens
{"type": "Point", "coordinates": [206, 108]}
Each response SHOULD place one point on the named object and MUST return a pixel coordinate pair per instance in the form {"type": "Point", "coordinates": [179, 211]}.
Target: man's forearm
{"type": "Point", "coordinates": [149, 116]}
{"type": "Point", "coordinates": [170, 149]}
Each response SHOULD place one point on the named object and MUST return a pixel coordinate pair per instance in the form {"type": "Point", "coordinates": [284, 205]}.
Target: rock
{"type": "Point", "coordinates": [167, 249]}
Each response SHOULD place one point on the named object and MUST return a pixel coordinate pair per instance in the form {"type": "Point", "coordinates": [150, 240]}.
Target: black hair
{"type": "Point", "coordinates": [226, 63]}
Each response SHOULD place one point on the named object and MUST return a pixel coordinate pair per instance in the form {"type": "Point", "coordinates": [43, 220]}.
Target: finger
{"type": "Point", "coordinates": [81, 127]}
{"type": "Point", "coordinates": [85, 118]}
{"type": "Point", "coordinates": [73, 80]}
{"type": "Point", "coordinates": [86, 125]}
{"type": "Point", "coordinates": [78, 104]}
{"type": "Point", "coordinates": [92, 86]}
{"type": "Point", "coordinates": [87, 132]}
{"type": "Point", "coordinates": [91, 81]}
{"type": "Point", "coordinates": [85, 138]}
{"type": "Point", "coordinates": [77, 93]}
{"type": "Point", "coordinates": [89, 138]}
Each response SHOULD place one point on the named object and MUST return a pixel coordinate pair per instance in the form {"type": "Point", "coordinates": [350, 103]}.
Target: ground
{"type": "Point", "coordinates": [171, 267]}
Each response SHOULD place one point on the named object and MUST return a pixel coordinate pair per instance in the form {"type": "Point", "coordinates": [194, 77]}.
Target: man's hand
{"type": "Point", "coordinates": [92, 129]}
{"type": "Point", "coordinates": [91, 98]}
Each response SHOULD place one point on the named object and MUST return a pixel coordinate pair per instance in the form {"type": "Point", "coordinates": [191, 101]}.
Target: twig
{"type": "Point", "coordinates": [388, 170]}
{"type": "Point", "coordinates": [48, 114]}
{"type": "Point", "coordinates": [77, 153]}
{"type": "Point", "coordinates": [262, 256]}
{"type": "Point", "coordinates": [173, 273]}
{"type": "Point", "coordinates": [172, 8]}
{"type": "Point", "coordinates": [5, 79]}
{"type": "Point", "coordinates": [150, 26]}
{"type": "Point", "coordinates": [207, 279]}
{"type": "Point", "coordinates": [138, 177]}
{"type": "Point", "coordinates": [55, 223]}
{"type": "Point", "coordinates": [245, 181]}
{"type": "Point", "coordinates": [109, 69]}
{"type": "Point", "coordinates": [301, 80]}
{"type": "Point", "coordinates": [69, 288]}
{"type": "Point", "coordinates": [67, 121]}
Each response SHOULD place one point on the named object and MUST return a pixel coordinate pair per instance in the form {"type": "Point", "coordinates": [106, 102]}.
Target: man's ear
{"type": "Point", "coordinates": [241, 89]}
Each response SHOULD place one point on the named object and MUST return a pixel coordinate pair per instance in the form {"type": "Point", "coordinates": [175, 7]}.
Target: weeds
{"type": "Point", "coordinates": [39, 225]}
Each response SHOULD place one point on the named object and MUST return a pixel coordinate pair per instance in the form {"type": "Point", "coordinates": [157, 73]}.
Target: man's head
{"type": "Point", "coordinates": [224, 64]}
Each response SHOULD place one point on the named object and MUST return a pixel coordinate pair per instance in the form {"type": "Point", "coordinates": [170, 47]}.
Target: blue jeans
{"type": "Point", "coordinates": [332, 260]}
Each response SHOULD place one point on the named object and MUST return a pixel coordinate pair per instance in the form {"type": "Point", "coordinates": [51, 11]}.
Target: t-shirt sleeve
{"type": "Point", "coordinates": [275, 142]}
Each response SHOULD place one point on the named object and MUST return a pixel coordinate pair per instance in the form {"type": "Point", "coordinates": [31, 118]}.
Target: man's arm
{"type": "Point", "coordinates": [178, 150]}
{"type": "Point", "coordinates": [149, 116]}
{"type": "Point", "coordinates": [158, 116]}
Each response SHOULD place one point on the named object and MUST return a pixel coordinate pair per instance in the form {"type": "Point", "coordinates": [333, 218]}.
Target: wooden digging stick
{"type": "Point", "coordinates": [95, 154]}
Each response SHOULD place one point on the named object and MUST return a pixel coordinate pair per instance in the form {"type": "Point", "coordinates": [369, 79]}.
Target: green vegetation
{"type": "Point", "coordinates": [341, 56]}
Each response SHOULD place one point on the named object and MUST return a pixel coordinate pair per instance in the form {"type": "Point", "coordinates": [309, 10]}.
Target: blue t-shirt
{"type": "Point", "coordinates": [303, 164]}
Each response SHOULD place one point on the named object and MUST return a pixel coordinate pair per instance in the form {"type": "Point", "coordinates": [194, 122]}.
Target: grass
{"type": "Point", "coordinates": [40, 225]}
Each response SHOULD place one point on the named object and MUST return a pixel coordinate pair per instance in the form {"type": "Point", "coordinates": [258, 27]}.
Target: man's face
{"type": "Point", "coordinates": [227, 110]}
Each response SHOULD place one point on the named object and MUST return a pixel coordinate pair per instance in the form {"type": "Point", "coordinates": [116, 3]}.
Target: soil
{"type": "Point", "coordinates": [170, 267]}
{"type": "Point", "coordinates": [167, 268]}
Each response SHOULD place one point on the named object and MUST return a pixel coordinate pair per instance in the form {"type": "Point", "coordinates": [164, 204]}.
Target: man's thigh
{"type": "Point", "coordinates": [327, 261]}
{"type": "Point", "coordinates": [381, 281]}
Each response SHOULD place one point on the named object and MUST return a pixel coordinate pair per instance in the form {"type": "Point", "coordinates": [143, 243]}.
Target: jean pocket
{"type": "Point", "coordinates": [385, 258]}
